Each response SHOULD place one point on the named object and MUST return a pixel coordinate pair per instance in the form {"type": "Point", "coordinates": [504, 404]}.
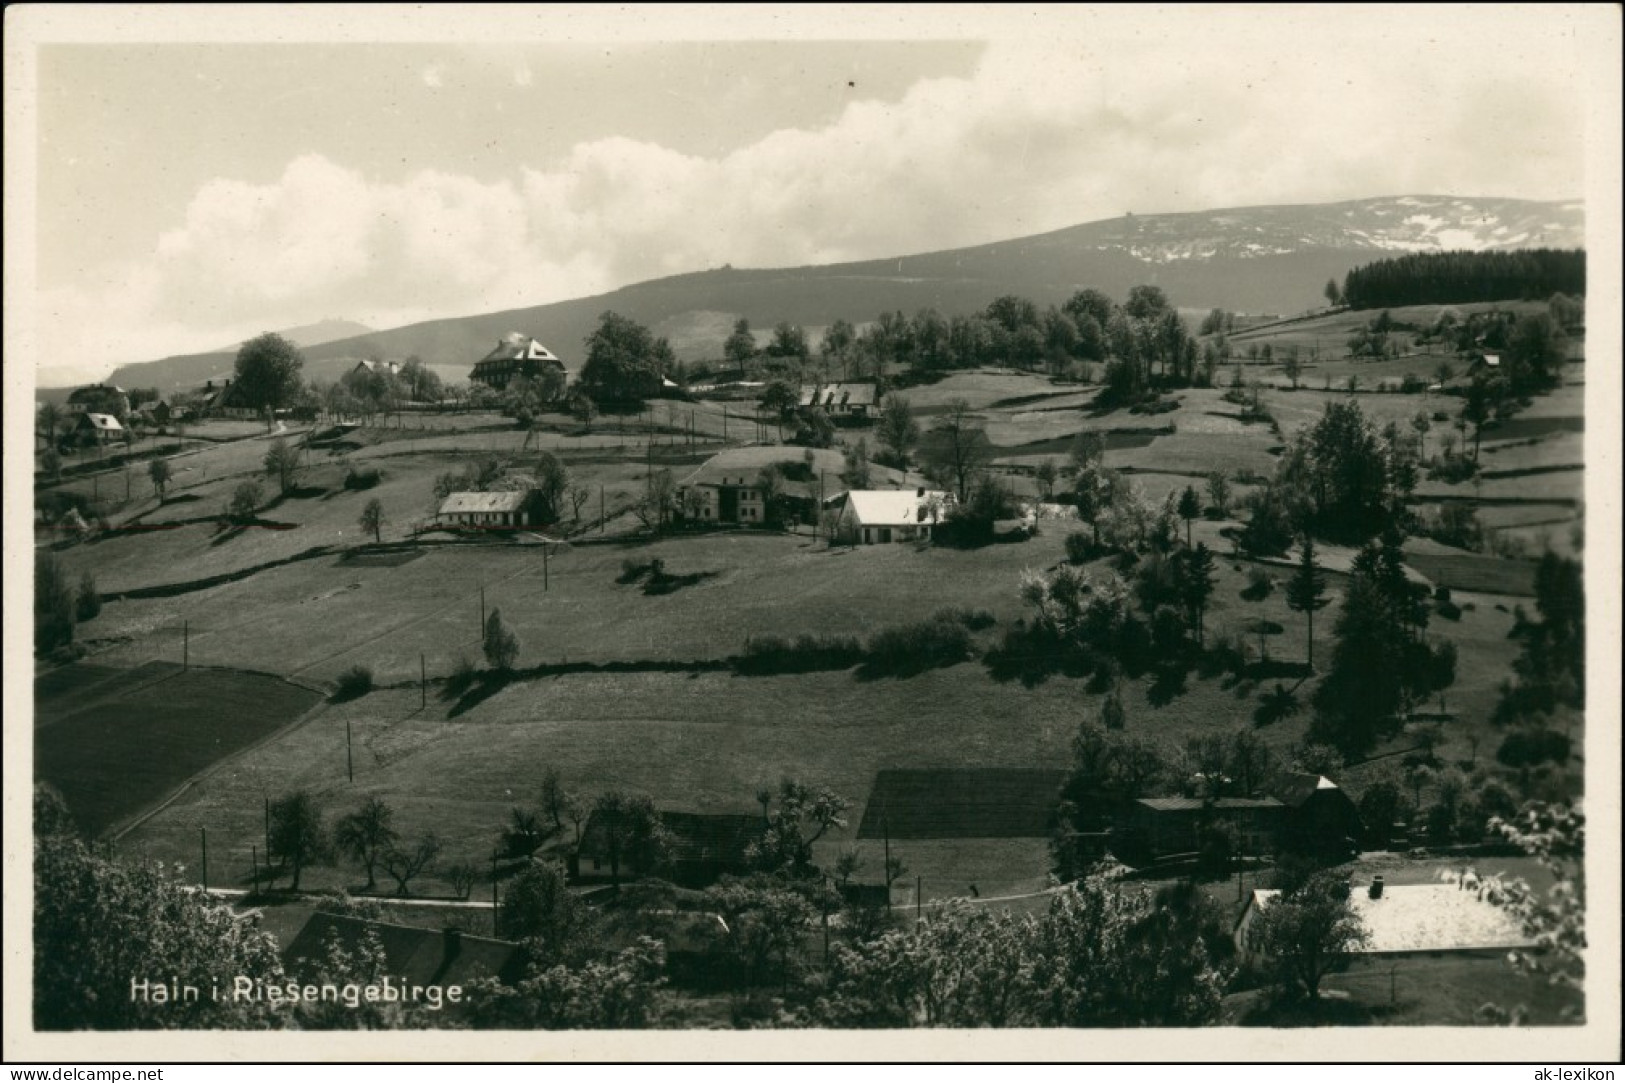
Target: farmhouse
{"type": "Point", "coordinates": [839, 400]}
{"type": "Point", "coordinates": [90, 428]}
{"type": "Point", "coordinates": [421, 957]}
{"type": "Point", "coordinates": [883, 516]}
{"type": "Point", "coordinates": [1410, 919]}
{"type": "Point", "coordinates": [497, 510]}
{"type": "Point", "coordinates": [515, 355]}
{"type": "Point", "coordinates": [223, 401]}
{"type": "Point", "coordinates": [1320, 815]}
{"type": "Point", "coordinates": [1159, 827]}
{"type": "Point", "coordinates": [729, 488]}
{"type": "Point", "coordinates": [388, 368]}
{"type": "Point", "coordinates": [704, 846]}
{"type": "Point", "coordinates": [157, 412]}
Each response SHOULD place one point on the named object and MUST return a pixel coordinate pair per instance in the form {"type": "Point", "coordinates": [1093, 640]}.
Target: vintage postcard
{"type": "Point", "coordinates": [1064, 533]}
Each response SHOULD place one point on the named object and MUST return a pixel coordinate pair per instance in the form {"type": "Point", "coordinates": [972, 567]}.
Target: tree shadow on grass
{"type": "Point", "coordinates": [1169, 684]}
{"type": "Point", "coordinates": [665, 583]}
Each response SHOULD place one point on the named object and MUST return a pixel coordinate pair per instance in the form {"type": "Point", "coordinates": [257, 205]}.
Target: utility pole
{"type": "Point", "coordinates": [349, 755]}
{"type": "Point", "coordinates": [544, 567]}
{"type": "Point", "coordinates": [482, 610]}
{"type": "Point", "coordinates": [885, 871]}
{"type": "Point", "coordinates": [268, 838]}
{"type": "Point", "coordinates": [254, 856]}
{"type": "Point", "coordinates": [919, 882]}
{"type": "Point", "coordinates": [203, 836]}
{"type": "Point", "coordinates": [423, 682]}
{"type": "Point", "coordinates": [600, 509]}
{"type": "Point", "coordinates": [493, 891]}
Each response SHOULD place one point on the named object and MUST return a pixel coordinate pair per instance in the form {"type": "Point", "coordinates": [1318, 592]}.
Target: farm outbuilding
{"type": "Point", "coordinates": [90, 428]}
{"type": "Point", "coordinates": [1321, 818]}
{"type": "Point", "coordinates": [856, 400]}
{"type": "Point", "coordinates": [508, 508]}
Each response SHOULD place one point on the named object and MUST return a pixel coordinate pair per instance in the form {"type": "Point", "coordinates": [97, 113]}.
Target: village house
{"type": "Point", "coordinates": [100, 399]}
{"type": "Point", "coordinates": [883, 516]}
{"type": "Point", "coordinates": [854, 400]}
{"type": "Point", "coordinates": [388, 368]}
{"type": "Point", "coordinates": [516, 355]}
{"type": "Point", "coordinates": [157, 413]}
{"type": "Point", "coordinates": [704, 847]}
{"type": "Point", "coordinates": [223, 400]}
{"type": "Point", "coordinates": [1160, 827]}
{"type": "Point", "coordinates": [502, 510]}
{"type": "Point", "coordinates": [728, 488]}
{"type": "Point", "coordinates": [1409, 919]}
{"type": "Point", "coordinates": [1320, 816]}
{"type": "Point", "coordinates": [90, 429]}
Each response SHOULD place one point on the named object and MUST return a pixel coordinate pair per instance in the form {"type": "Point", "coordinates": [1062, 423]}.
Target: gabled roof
{"type": "Point", "coordinates": [1426, 917]}
{"type": "Point", "coordinates": [103, 422]}
{"type": "Point", "coordinates": [417, 956]}
{"type": "Point", "coordinates": [483, 503]}
{"type": "Point", "coordinates": [1293, 788]}
{"type": "Point", "coordinates": [896, 507]}
{"type": "Point", "coordinates": [378, 366]}
{"type": "Point", "coordinates": [519, 347]}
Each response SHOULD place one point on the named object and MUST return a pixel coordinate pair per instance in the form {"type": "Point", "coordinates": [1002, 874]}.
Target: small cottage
{"type": "Point", "coordinates": [507, 509]}
{"type": "Point", "coordinates": [883, 516]}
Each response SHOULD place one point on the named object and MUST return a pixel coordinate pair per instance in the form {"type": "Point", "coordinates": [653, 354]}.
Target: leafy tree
{"type": "Point", "coordinates": [404, 863]}
{"type": "Point", "coordinates": [245, 501]}
{"type": "Point", "coordinates": [582, 408]}
{"type": "Point", "coordinates": [1549, 672]}
{"type": "Point", "coordinates": [556, 800]}
{"type": "Point", "coordinates": [1095, 491]}
{"type": "Point", "coordinates": [372, 520]}
{"type": "Point", "coordinates": [1310, 933]}
{"type": "Point", "coordinates": [897, 429]}
{"type": "Point", "coordinates": [1306, 590]}
{"type": "Point", "coordinates": [366, 834]}
{"type": "Point", "coordinates": [1190, 506]}
{"type": "Point", "coordinates": [619, 993]}
{"type": "Point", "coordinates": [1218, 492]}
{"type": "Point", "coordinates": [957, 447]}
{"type": "Point", "coordinates": [552, 482]}
{"type": "Point", "coordinates": [1047, 474]}
{"type": "Point", "coordinates": [158, 470]}
{"type": "Point", "coordinates": [1146, 303]}
{"type": "Point", "coordinates": [1088, 449]}
{"type": "Point", "coordinates": [804, 816]}
{"type": "Point", "coordinates": [50, 461]}
{"type": "Point", "coordinates": [623, 361]}
{"type": "Point", "coordinates": [1194, 569]}
{"type": "Point", "coordinates": [552, 921]}
{"type": "Point", "coordinates": [634, 835]}
{"type": "Point", "coordinates": [53, 603]}
{"type": "Point", "coordinates": [767, 920]}
{"type": "Point", "coordinates": [1332, 293]}
{"type": "Point", "coordinates": [740, 348]}
{"type": "Point", "coordinates": [779, 399]}
{"type": "Point", "coordinates": [282, 464]}
{"type": "Point", "coordinates": [837, 343]}
{"type": "Point", "coordinates": [266, 374]}
{"type": "Point", "coordinates": [856, 463]}
{"type": "Point", "coordinates": [501, 645]}
{"type": "Point", "coordinates": [47, 420]}
{"type": "Point", "coordinates": [100, 924]}
{"type": "Point", "coordinates": [789, 342]}
{"type": "Point", "coordinates": [298, 837]}
{"type": "Point", "coordinates": [1292, 366]}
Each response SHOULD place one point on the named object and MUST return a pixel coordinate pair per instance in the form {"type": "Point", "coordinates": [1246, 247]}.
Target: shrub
{"type": "Point", "coordinates": [353, 683]}
{"type": "Point", "coordinates": [1259, 584]}
{"type": "Point", "coordinates": [1448, 610]}
{"type": "Point", "coordinates": [805, 654]}
{"type": "Point", "coordinates": [1526, 748]}
{"type": "Point", "coordinates": [1079, 547]}
{"type": "Point", "coordinates": [913, 648]}
{"type": "Point", "coordinates": [974, 619]}
{"type": "Point", "coordinates": [364, 478]}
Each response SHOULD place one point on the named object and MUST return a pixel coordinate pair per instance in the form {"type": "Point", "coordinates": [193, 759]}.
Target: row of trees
{"type": "Point", "coordinates": [1447, 278]}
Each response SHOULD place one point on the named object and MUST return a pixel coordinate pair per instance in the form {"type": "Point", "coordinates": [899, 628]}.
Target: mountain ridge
{"type": "Point", "coordinates": [1267, 259]}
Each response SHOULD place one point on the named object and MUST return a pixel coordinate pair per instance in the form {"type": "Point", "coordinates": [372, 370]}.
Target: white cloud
{"type": "Point", "coordinates": [1042, 136]}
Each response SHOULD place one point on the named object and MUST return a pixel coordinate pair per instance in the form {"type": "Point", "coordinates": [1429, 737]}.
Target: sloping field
{"type": "Point", "coordinates": [114, 756]}
{"type": "Point", "coordinates": [70, 689]}
{"type": "Point", "coordinates": [1470, 571]}
{"type": "Point", "coordinates": [962, 803]}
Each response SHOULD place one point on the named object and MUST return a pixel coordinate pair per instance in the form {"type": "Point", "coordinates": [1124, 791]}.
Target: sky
{"type": "Point", "coordinates": [190, 193]}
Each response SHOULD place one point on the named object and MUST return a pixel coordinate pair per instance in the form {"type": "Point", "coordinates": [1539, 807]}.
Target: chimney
{"type": "Point", "coordinates": [453, 939]}
{"type": "Point", "coordinates": [920, 492]}
{"type": "Point", "coordinates": [1376, 887]}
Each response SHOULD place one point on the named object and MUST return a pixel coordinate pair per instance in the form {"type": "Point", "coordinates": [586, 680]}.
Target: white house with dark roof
{"type": "Point", "coordinates": [92, 428]}
{"type": "Point", "coordinates": [506, 508]}
{"type": "Point", "coordinates": [883, 516]}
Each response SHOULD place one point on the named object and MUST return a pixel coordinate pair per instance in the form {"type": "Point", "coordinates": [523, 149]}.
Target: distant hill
{"type": "Point", "coordinates": [1256, 259]}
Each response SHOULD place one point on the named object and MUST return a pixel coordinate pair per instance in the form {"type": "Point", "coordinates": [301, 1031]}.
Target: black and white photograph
{"type": "Point", "coordinates": [1069, 528]}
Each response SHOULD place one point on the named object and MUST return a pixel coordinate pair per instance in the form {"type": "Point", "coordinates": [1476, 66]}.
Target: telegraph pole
{"type": "Point", "coordinates": [544, 567]}
{"type": "Point", "coordinates": [423, 682]}
{"type": "Point", "coordinates": [349, 755]}
{"type": "Point", "coordinates": [203, 835]}
{"type": "Point", "coordinates": [482, 609]}
{"type": "Point", "coordinates": [186, 645]}
{"type": "Point", "coordinates": [600, 509]}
